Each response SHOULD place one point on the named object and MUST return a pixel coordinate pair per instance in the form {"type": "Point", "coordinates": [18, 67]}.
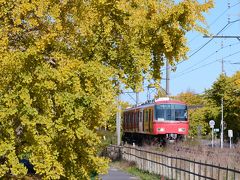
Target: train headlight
{"type": "Point", "coordinates": [161, 129]}
{"type": "Point", "coordinates": [181, 129]}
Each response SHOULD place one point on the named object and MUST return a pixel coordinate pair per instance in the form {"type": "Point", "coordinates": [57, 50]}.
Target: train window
{"type": "Point", "coordinates": [180, 114]}
{"type": "Point", "coordinates": [140, 117]}
{"type": "Point", "coordinates": [159, 113]}
{"type": "Point", "coordinates": [150, 114]}
{"type": "Point", "coordinates": [146, 115]}
{"type": "Point", "coordinates": [171, 112]}
{"type": "Point", "coordinates": [137, 117]}
{"type": "Point", "coordinates": [168, 114]}
{"type": "Point", "coordinates": [125, 120]}
{"type": "Point", "coordinates": [129, 120]}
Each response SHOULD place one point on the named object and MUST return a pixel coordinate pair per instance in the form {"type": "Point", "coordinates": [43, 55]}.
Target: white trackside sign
{"type": "Point", "coordinates": [212, 123]}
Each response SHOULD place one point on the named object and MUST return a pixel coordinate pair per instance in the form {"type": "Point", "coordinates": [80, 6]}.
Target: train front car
{"type": "Point", "coordinates": [170, 119]}
{"type": "Point", "coordinates": [155, 122]}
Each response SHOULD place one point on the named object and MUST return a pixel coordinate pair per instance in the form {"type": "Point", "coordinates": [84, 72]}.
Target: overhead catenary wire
{"type": "Point", "coordinates": [232, 67]}
{"type": "Point", "coordinates": [212, 38]}
{"type": "Point", "coordinates": [229, 23]}
{"type": "Point", "coordinates": [224, 28]}
{"type": "Point", "coordinates": [206, 65]}
{"type": "Point", "coordinates": [206, 58]}
{"type": "Point", "coordinates": [216, 19]}
{"type": "Point", "coordinates": [235, 62]}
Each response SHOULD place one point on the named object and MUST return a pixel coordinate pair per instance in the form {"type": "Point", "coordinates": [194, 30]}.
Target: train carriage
{"type": "Point", "coordinates": [156, 122]}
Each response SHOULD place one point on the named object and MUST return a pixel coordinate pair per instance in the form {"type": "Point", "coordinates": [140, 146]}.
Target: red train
{"type": "Point", "coordinates": [155, 122]}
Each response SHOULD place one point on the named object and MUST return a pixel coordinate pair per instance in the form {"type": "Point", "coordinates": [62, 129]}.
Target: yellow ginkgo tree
{"type": "Point", "coordinates": [60, 61]}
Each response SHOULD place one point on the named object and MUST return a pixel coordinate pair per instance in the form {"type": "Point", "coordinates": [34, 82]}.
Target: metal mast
{"type": "Point", "coordinates": [222, 123]}
{"type": "Point", "coordinates": [222, 106]}
{"type": "Point", "coordinates": [118, 121]}
{"type": "Point", "coordinates": [137, 98]}
{"type": "Point", "coordinates": [167, 77]}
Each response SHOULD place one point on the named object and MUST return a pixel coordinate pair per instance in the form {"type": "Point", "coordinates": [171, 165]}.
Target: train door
{"type": "Point", "coordinates": [146, 120]}
{"type": "Point", "coordinates": [137, 121]}
{"type": "Point", "coordinates": [125, 121]}
{"type": "Point", "coordinates": [150, 120]}
{"type": "Point", "coordinates": [134, 121]}
{"type": "Point", "coordinates": [141, 120]}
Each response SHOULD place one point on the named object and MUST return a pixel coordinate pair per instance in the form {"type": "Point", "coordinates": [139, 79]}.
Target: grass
{"type": "Point", "coordinates": [131, 168]}
{"type": "Point", "coordinates": [141, 174]}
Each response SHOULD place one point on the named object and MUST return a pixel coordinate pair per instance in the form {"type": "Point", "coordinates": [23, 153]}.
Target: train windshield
{"type": "Point", "coordinates": [171, 112]}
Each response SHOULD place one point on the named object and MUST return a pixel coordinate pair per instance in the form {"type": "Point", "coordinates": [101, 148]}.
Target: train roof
{"type": "Point", "coordinates": [150, 103]}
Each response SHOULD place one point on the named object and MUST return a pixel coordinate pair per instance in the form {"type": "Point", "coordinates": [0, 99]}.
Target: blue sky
{"type": "Point", "coordinates": [204, 64]}
{"type": "Point", "coordinates": [202, 68]}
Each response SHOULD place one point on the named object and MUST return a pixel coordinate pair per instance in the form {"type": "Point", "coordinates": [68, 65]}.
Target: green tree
{"type": "Point", "coordinates": [190, 98]}
{"type": "Point", "coordinates": [227, 88]}
{"type": "Point", "coordinates": [59, 64]}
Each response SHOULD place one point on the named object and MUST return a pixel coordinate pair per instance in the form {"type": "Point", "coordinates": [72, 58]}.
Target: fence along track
{"type": "Point", "coordinates": [175, 167]}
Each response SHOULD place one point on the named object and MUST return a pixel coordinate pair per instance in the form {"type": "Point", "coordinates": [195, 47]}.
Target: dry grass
{"type": "Point", "coordinates": [123, 165]}
{"type": "Point", "coordinates": [194, 150]}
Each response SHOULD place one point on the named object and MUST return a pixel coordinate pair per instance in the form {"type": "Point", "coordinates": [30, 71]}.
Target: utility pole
{"type": "Point", "coordinates": [167, 77]}
{"type": "Point", "coordinates": [118, 121]}
{"type": "Point", "coordinates": [222, 104]}
{"type": "Point", "coordinates": [222, 123]}
{"type": "Point", "coordinates": [118, 114]}
{"type": "Point", "coordinates": [223, 67]}
{"type": "Point", "coordinates": [137, 98]}
{"type": "Point", "coordinates": [148, 93]}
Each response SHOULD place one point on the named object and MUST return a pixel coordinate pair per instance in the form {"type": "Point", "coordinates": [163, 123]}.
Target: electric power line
{"type": "Point", "coordinates": [209, 41]}
{"type": "Point", "coordinates": [230, 23]}
{"type": "Point", "coordinates": [205, 65]}
{"type": "Point", "coordinates": [231, 66]}
{"type": "Point", "coordinates": [206, 58]}
{"type": "Point", "coordinates": [217, 18]}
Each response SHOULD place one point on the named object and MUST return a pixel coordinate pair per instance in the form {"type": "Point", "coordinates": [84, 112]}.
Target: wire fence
{"type": "Point", "coordinates": [175, 167]}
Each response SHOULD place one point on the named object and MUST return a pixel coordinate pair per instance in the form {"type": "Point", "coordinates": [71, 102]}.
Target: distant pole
{"type": "Point", "coordinates": [230, 142]}
{"type": "Point", "coordinates": [222, 123]}
{"type": "Point", "coordinates": [212, 137]}
{"type": "Point", "coordinates": [167, 77]}
{"type": "Point", "coordinates": [137, 98]}
{"type": "Point", "coordinates": [212, 124]}
{"type": "Point", "coordinates": [118, 121]}
{"type": "Point", "coordinates": [222, 104]}
{"type": "Point", "coordinates": [148, 93]}
{"type": "Point", "coordinates": [223, 67]}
